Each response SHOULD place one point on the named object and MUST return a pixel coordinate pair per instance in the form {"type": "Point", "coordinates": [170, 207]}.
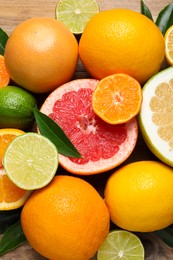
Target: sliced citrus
{"type": "Point", "coordinates": [156, 117]}
{"type": "Point", "coordinates": [4, 75]}
{"type": "Point", "coordinates": [169, 45]}
{"type": "Point", "coordinates": [121, 244]}
{"type": "Point", "coordinates": [11, 196]}
{"type": "Point", "coordinates": [102, 146]}
{"type": "Point", "coordinates": [117, 98]}
{"type": "Point", "coordinates": [76, 13]}
{"type": "Point", "coordinates": [31, 161]}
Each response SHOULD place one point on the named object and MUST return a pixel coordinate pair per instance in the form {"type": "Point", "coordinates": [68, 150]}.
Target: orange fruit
{"type": "Point", "coordinates": [41, 54]}
{"type": "Point", "coordinates": [67, 219]}
{"type": "Point", "coordinates": [139, 196]}
{"type": "Point", "coordinates": [121, 41]}
{"type": "Point", "coordinates": [102, 146]}
{"type": "Point", "coordinates": [11, 197]}
{"type": "Point", "coordinates": [117, 98]}
{"type": "Point", "coordinates": [4, 75]}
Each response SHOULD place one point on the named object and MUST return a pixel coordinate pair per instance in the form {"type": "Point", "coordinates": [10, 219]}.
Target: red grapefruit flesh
{"type": "Point", "coordinates": [102, 146]}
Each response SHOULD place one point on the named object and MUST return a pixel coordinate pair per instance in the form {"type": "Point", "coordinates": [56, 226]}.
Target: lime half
{"type": "Point", "coordinates": [31, 161]}
{"type": "Point", "coordinates": [156, 115]}
{"type": "Point", "coordinates": [76, 13]}
{"type": "Point", "coordinates": [121, 244]}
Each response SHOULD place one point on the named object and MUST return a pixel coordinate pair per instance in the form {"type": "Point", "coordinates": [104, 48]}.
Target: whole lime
{"type": "Point", "coordinates": [16, 105]}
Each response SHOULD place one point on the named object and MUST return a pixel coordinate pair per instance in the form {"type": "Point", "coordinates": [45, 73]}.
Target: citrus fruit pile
{"type": "Point", "coordinates": [64, 216]}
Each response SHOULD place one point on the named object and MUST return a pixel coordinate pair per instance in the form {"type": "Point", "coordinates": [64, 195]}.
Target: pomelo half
{"type": "Point", "coordinates": [102, 146]}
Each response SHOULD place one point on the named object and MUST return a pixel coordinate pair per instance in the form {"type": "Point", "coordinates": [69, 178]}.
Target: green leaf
{"type": "Point", "coordinates": [50, 129]}
{"type": "Point", "coordinates": [165, 18]}
{"type": "Point", "coordinates": [166, 235]}
{"type": "Point", "coordinates": [8, 217]}
{"type": "Point", "coordinates": [12, 238]}
{"type": "Point", "coordinates": [146, 11]}
{"type": "Point", "coordinates": [3, 40]}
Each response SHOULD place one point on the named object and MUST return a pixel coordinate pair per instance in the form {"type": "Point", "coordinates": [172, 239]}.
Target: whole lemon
{"type": "Point", "coordinates": [121, 40]}
{"type": "Point", "coordinates": [41, 54]}
{"type": "Point", "coordinates": [66, 219]}
{"type": "Point", "coordinates": [139, 196]}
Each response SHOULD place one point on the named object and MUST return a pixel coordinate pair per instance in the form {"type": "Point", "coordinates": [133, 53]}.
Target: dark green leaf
{"type": "Point", "coordinates": [165, 18]}
{"type": "Point", "coordinates": [50, 129]}
{"type": "Point", "coordinates": [145, 10]}
{"type": "Point", "coordinates": [7, 218]}
{"type": "Point", "coordinates": [3, 40]}
{"type": "Point", "coordinates": [166, 235]}
{"type": "Point", "coordinates": [12, 238]}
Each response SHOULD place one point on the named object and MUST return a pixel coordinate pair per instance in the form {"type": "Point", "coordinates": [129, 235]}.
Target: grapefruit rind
{"type": "Point", "coordinates": [102, 165]}
{"type": "Point", "coordinates": [157, 145]}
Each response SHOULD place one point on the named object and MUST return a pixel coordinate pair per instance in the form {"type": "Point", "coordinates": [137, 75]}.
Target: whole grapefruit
{"type": "Point", "coordinates": [41, 54]}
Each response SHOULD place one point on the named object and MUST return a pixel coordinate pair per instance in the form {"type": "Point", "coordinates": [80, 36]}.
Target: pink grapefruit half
{"type": "Point", "coordinates": [102, 146]}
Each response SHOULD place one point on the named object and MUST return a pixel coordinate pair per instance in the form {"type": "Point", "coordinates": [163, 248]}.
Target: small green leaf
{"type": "Point", "coordinates": [8, 217]}
{"type": "Point", "coordinates": [50, 129]}
{"type": "Point", "coordinates": [165, 18]}
{"type": "Point", "coordinates": [3, 40]}
{"type": "Point", "coordinates": [166, 235]}
{"type": "Point", "coordinates": [12, 238]}
{"type": "Point", "coordinates": [146, 11]}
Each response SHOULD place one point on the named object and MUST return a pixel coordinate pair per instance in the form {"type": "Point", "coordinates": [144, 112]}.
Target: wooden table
{"type": "Point", "coordinates": [12, 12]}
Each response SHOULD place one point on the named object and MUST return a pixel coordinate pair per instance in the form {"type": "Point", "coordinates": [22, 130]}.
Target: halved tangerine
{"type": "Point", "coordinates": [11, 196]}
{"type": "Point", "coordinates": [117, 98]}
{"type": "Point", "coordinates": [102, 146]}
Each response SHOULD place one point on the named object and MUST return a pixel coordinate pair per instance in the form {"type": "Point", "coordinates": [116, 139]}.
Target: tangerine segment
{"type": "Point", "coordinates": [4, 75]}
{"type": "Point", "coordinates": [117, 98]}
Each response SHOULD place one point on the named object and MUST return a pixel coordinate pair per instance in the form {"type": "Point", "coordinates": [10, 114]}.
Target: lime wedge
{"type": "Point", "coordinates": [121, 244]}
{"type": "Point", "coordinates": [76, 13]}
{"type": "Point", "coordinates": [31, 161]}
{"type": "Point", "coordinates": [156, 117]}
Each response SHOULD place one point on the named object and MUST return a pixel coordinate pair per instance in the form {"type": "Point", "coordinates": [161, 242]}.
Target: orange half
{"type": "Point", "coordinates": [117, 98]}
{"type": "Point", "coordinates": [11, 196]}
{"type": "Point", "coordinates": [4, 75]}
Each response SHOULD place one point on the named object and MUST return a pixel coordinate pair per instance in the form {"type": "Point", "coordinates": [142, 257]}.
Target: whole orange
{"type": "Point", "coordinates": [121, 40]}
{"type": "Point", "coordinates": [41, 54]}
{"type": "Point", "coordinates": [66, 219]}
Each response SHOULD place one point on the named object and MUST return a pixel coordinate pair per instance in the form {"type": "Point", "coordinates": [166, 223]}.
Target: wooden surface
{"type": "Point", "coordinates": [12, 12]}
